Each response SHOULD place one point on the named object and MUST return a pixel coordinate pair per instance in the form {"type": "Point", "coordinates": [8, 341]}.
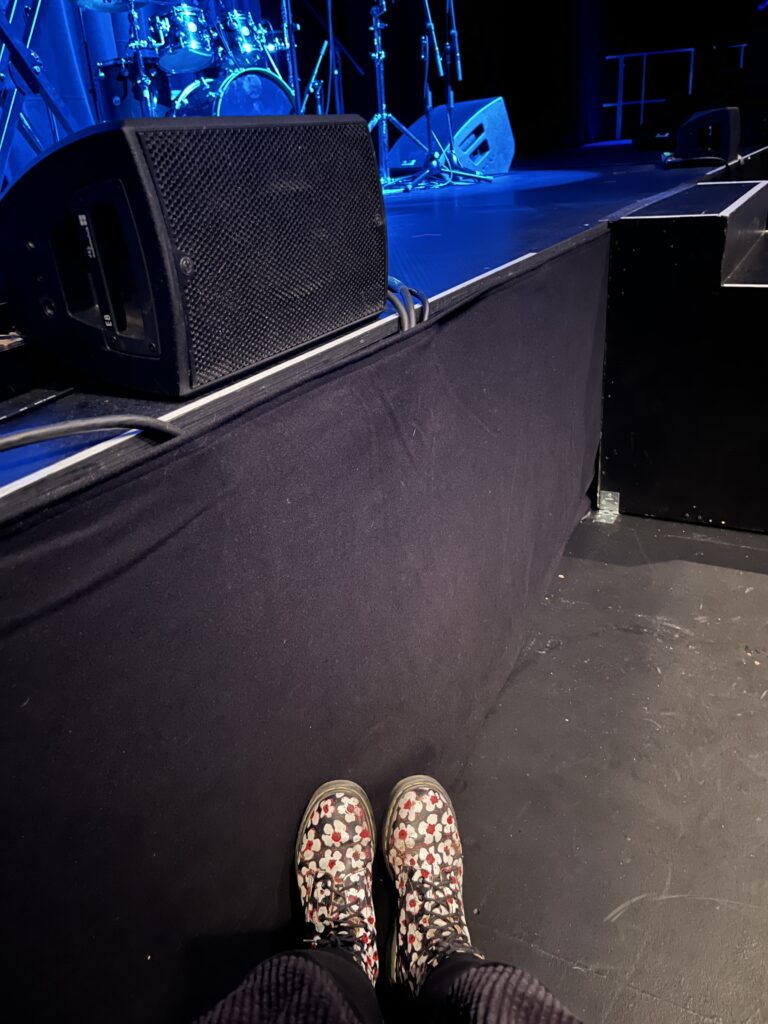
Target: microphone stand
{"type": "Point", "coordinates": [452, 60]}
{"type": "Point", "coordinates": [289, 35]}
{"type": "Point", "coordinates": [382, 119]}
{"type": "Point", "coordinates": [430, 27]}
{"type": "Point", "coordinates": [335, 88]}
{"type": "Point", "coordinates": [432, 167]}
{"type": "Point", "coordinates": [426, 40]}
{"type": "Point", "coordinates": [315, 86]}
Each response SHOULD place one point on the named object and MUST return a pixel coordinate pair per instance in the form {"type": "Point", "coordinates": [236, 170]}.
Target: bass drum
{"type": "Point", "coordinates": [249, 92]}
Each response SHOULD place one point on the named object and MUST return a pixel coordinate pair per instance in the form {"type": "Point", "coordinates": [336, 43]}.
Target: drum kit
{"type": "Point", "coordinates": [186, 59]}
{"type": "Point", "coordinates": [180, 62]}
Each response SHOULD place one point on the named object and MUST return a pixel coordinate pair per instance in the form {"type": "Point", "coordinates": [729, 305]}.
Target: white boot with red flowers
{"type": "Point", "coordinates": [422, 848]}
{"type": "Point", "coordinates": [334, 853]}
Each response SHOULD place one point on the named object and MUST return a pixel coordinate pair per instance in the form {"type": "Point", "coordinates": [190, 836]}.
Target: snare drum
{"type": "Point", "coordinates": [183, 40]}
{"type": "Point", "coordinates": [248, 92]}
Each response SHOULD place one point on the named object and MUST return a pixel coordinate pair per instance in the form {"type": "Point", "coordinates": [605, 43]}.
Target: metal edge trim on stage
{"type": "Point", "coordinates": [715, 176]}
{"type": "Point", "coordinates": [348, 340]}
{"type": "Point", "coordinates": [757, 186]}
{"type": "Point", "coordinates": [43, 488]}
{"type": "Point", "coordinates": [361, 340]}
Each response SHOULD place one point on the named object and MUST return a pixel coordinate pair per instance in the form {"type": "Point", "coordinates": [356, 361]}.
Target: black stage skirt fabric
{"type": "Point", "coordinates": [331, 584]}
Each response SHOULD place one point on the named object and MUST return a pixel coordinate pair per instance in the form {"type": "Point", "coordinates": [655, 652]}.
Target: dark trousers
{"type": "Point", "coordinates": [327, 987]}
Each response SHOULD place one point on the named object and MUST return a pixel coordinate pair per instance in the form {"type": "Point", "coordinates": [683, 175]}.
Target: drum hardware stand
{"type": "Point", "coordinates": [452, 59]}
{"type": "Point", "coordinates": [136, 44]}
{"type": "Point", "coordinates": [267, 53]}
{"type": "Point", "coordinates": [315, 86]}
{"type": "Point", "coordinates": [383, 119]}
{"type": "Point", "coordinates": [289, 34]}
{"type": "Point", "coordinates": [222, 9]}
{"type": "Point", "coordinates": [29, 134]}
{"type": "Point", "coordinates": [338, 50]}
{"type": "Point", "coordinates": [16, 52]}
{"type": "Point", "coordinates": [90, 65]}
{"type": "Point", "coordinates": [334, 73]}
{"type": "Point", "coordinates": [273, 64]}
{"type": "Point", "coordinates": [337, 88]}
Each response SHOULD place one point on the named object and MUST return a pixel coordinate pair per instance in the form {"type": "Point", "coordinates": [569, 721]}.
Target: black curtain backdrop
{"type": "Point", "coordinates": [333, 584]}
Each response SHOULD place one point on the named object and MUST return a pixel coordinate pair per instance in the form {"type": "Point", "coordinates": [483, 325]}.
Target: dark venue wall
{"type": "Point", "coordinates": [525, 53]}
{"type": "Point", "coordinates": [724, 74]}
{"type": "Point", "coordinates": [546, 60]}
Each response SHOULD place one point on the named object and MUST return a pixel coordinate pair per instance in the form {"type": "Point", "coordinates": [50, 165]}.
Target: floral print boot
{"type": "Point", "coordinates": [422, 849]}
{"type": "Point", "coordinates": [334, 853]}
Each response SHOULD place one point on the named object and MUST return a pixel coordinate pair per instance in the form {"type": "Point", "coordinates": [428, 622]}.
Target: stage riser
{"type": "Point", "coordinates": [753, 168]}
{"type": "Point", "coordinates": [684, 431]}
{"type": "Point", "coordinates": [335, 583]}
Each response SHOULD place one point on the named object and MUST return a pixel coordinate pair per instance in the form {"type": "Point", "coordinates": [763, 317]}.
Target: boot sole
{"type": "Point", "coordinates": [399, 789]}
{"type": "Point", "coordinates": [328, 789]}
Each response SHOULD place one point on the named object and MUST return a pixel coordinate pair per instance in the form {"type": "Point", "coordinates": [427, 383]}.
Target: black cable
{"type": "Point", "coordinates": [422, 297]}
{"type": "Point", "coordinates": [394, 298]}
{"type": "Point", "coordinates": [410, 309]}
{"type": "Point", "coordinates": [693, 161]}
{"type": "Point", "coordinates": [157, 429]}
{"type": "Point", "coordinates": [31, 400]}
{"type": "Point", "coordinates": [406, 291]}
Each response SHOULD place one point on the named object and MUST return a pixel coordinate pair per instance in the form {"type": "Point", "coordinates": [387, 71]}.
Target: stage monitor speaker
{"type": "Point", "coordinates": [484, 139]}
{"type": "Point", "coordinates": [167, 256]}
{"type": "Point", "coordinates": [709, 133]}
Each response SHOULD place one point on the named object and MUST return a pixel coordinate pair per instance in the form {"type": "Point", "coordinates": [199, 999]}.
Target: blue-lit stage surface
{"type": "Point", "coordinates": [438, 239]}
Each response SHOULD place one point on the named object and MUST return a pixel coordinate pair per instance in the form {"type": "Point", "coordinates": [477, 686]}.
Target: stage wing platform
{"type": "Point", "coordinates": [328, 574]}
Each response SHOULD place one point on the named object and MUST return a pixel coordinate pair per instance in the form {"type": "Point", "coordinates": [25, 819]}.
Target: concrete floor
{"type": "Point", "coordinates": [615, 809]}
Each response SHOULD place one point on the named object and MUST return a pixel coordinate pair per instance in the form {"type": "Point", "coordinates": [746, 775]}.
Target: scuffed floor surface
{"type": "Point", "coordinates": [615, 811]}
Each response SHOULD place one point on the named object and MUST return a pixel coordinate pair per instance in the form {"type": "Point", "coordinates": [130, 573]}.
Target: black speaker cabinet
{"type": "Point", "coordinates": [484, 139]}
{"type": "Point", "coordinates": [710, 133]}
{"type": "Point", "coordinates": [168, 256]}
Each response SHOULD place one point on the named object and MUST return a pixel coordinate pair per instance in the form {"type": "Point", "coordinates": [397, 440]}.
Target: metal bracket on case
{"type": "Point", "coordinates": [607, 507]}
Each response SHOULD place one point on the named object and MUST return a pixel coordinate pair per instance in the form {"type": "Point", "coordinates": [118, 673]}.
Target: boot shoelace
{"type": "Point", "coordinates": [340, 935]}
{"type": "Point", "coordinates": [447, 928]}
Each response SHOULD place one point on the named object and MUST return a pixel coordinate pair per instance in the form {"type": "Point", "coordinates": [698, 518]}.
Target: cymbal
{"type": "Point", "coordinates": [109, 6]}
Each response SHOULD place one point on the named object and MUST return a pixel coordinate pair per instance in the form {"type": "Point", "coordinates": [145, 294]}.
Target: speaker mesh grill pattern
{"type": "Point", "coordinates": [279, 235]}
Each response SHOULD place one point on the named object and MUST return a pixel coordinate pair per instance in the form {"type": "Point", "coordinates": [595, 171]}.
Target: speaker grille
{"type": "Point", "coordinates": [278, 231]}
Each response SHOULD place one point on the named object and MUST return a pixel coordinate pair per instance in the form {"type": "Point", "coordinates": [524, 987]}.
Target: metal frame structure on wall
{"type": "Point", "coordinates": [18, 61]}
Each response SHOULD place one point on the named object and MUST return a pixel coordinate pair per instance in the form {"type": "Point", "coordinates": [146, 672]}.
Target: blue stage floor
{"type": "Point", "coordinates": [441, 237]}
{"type": "Point", "coordinates": [438, 238]}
